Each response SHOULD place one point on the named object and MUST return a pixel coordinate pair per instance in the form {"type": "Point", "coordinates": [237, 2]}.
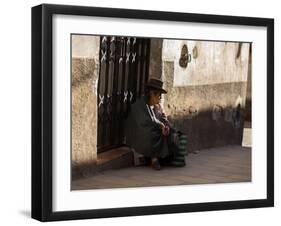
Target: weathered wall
{"type": "Point", "coordinates": [211, 62]}
{"type": "Point", "coordinates": [248, 113]}
{"type": "Point", "coordinates": [206, 100]}
{"type": "Point", "coordinates": [155, 58]}
{"type": "Point", "coordinates": [85, 71]}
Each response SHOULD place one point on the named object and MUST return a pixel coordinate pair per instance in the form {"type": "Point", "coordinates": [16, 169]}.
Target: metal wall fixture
{"type": "Point", "coordinates": [185, 57]}
{"type": "Point", "coordinates": [194, 52]}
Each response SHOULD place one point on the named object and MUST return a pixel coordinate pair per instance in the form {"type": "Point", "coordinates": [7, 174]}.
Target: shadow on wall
{"type": "Point", "coordinates": [211, 115]}
{"type": "Point", "coordinates": [211, 128]}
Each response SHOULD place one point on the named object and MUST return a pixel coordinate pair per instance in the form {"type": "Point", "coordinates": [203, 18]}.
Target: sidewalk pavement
{"type": "Point", "coordinates": [216, 165]}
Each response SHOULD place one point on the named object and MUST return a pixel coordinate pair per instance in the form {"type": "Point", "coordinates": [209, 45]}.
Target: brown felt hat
{"type": "Point", "coordinates": [155, 84]}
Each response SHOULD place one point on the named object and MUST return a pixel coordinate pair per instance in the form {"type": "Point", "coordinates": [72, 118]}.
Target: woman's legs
{"type": "Point", "coordinates": [155, 163]}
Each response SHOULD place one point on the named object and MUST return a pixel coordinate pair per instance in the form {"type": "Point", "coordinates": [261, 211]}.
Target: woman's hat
{"type": "Point", "coordinates": [155, 84]}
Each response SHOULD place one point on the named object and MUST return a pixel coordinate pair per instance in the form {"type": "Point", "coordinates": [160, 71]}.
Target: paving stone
{"type": "Point", "coordinates": [227, 164]}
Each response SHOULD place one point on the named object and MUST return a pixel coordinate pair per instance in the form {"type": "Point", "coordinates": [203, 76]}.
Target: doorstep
{"type": "Point", "coordinates": [115, 158]}
{"type": "Point", "coordinates": [112, 159]}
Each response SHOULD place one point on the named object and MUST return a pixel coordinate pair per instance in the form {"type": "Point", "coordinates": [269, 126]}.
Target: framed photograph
{"type": "Point", "coordinates": [145, 112]}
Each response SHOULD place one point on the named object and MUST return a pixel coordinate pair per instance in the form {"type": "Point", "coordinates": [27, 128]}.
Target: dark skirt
{"type": "Point", "coordinates": [175, 144]}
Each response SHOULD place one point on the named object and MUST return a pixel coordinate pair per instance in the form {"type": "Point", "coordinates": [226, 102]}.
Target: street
{"type": "Point", "coordinates": [216, 165]}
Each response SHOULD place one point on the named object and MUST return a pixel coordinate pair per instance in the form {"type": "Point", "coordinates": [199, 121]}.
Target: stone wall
{"type": "Point", "coordinates": [155, 58]}
{"type": "Point", "coordinates": [85, 72]}
{"type": "Point", "coordinates": [206, 100]}
{"type": "Point", "coordinates": [248, 115]}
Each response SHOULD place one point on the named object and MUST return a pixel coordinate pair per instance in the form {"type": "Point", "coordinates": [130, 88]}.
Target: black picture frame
{"type": "Point", "coordinates": [42, 107]}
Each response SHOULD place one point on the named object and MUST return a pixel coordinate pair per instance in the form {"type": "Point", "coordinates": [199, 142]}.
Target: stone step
{"type": "Point", "coordinates": [113, 159]}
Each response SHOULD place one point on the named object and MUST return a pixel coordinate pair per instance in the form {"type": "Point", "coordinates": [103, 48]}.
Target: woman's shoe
{"type": "Point", "coordinates": [155, 164]}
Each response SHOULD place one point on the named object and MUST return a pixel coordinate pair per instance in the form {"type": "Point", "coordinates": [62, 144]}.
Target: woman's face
{"type": "Point", "coordinates": [155, 97]}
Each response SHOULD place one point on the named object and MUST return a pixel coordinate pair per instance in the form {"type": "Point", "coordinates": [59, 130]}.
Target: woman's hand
{"type": "Point", "coordinates": [165, 130]}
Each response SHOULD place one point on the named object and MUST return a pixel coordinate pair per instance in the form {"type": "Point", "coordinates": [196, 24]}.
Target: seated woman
{"type": "Point", "coordinates": [150, 133]}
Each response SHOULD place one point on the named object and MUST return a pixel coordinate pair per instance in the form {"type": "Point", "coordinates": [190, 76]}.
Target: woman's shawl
{"type": "Point", "coordinates": [143, 134]}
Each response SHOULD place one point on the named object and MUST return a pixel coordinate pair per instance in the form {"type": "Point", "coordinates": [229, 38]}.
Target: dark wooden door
{"type": "Point", "coordinates": [124, 64]}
